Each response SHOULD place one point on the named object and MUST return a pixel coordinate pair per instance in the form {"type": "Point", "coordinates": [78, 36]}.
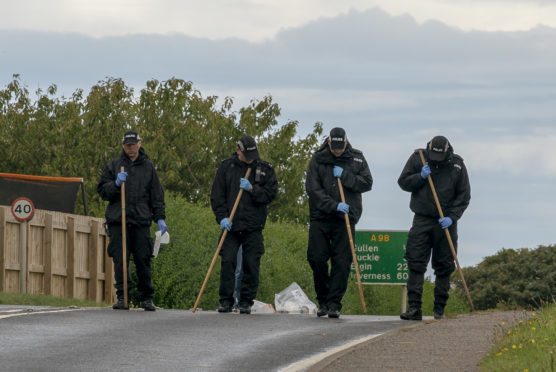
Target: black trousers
{"type": "Point", "coordinates": [329, 240]}
{"type": "Point", "coordinates": [252, 249]}
{"type": "Point", "coordinates": [426, 237]}
{"type": "Point", "coordinates": [140, 244]}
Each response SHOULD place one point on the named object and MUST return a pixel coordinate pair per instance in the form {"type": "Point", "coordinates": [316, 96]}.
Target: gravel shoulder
{"type": "Point", "coordinates": [451, 344]}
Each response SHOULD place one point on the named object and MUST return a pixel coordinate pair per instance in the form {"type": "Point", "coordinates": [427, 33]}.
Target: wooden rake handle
{"type": "Point", "coordinates": [224, 234]}
{"type": "Point", "coordinates": [124, 241]}
{"type": "Point", "coordinates": [352, 246]}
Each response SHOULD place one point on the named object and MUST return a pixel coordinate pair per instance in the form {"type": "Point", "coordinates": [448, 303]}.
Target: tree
{"type": "Point", "coordinates": [185, 134]}
{"type": "Point", "coordinates": [15, 109]}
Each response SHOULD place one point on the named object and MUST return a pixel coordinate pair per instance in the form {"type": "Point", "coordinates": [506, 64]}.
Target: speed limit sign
{"type": "Point", "coordinates": [23, 209]}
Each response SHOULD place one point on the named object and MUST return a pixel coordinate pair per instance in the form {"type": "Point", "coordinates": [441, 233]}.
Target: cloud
{"type": "Point", "coordinates": [257, 20]}
{"type": "Point", "coordinates": [534, 2]}
{"type": "Point", "coordinates": [358, 50]}
{"type": "Point", "coordinates": [485, 15]}
{"type": "Point", "coordinates": [531, 153]}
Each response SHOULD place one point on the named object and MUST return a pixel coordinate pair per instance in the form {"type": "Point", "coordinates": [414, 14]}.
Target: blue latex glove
{"type": "Point", "coordinates": [162, 226]}
{"type": "Point", "coordinates": [425, 171]}
{"type": "Point", "coordinates": [342, 207]}
{"type": "Point", "coordinates": [445, 222]}
{"type": "Point", "coordinates": [225, 224]}
{"type": "Point", "coordinates": [122, 176]}
{"type": "Point", "coordinates": [244, 184]}
{"type": "Point", "coordinates": [338, 171]}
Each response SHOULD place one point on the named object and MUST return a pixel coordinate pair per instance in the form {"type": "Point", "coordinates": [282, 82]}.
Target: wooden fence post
{"type": "Point", "coordinates": [93, 260]}
{"type": "Point", "coordinates": [70, 258]}
{"type": "Point", "coordinates": [23, 266]}
{"type": "Point", "coordinates": [48, 237]}
{"type": "Point", "coordinates": [108, 273]}
{"type": "Point", "coordinates": [3, 212]}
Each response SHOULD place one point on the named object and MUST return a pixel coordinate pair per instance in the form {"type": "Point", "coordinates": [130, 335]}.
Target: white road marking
{"type": "Point", "coordinates": [304, 364]}
{"type": "Point", "coordinates": [36, 312]}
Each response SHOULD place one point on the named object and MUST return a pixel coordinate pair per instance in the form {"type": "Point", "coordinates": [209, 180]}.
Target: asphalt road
{"type": "Point", "coordinates": [50, 339]}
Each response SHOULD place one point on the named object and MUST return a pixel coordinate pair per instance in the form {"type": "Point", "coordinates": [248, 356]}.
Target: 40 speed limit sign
{"type": "Point", "coordinates": [23, 209]}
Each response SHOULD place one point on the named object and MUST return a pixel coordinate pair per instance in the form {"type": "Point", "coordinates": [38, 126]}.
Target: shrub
{"type": "Point", "coordinates": [522, 277]}
{"type": "Point", "coordinates": [181, 265]}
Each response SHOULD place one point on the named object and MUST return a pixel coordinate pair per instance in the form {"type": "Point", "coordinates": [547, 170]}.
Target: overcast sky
{"type": "Point", "coordinates": [392, 73]}
{"type": "Point", "coordinates": [256, 20]}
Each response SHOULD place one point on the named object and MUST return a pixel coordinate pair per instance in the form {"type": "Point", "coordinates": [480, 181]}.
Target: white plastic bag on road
{"type": "Point", "coordinates": [262, 308]}
{"type": "Point", "coordinates": [293, 300]}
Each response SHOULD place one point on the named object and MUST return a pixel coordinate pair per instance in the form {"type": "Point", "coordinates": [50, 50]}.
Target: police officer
{"type": "Point", "coordinates": [426, 236]}
{"type": "Point", "coordinates": [328, 236]}
{"type": "Point", "coordinates": [247, 225]}
{"type": "Point", "coordinates": [144, 199]}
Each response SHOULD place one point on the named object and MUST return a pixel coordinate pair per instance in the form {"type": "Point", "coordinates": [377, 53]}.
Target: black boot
{"type": "Point", "coordinates": [225, 307]}
{"type": "Point", "coordinates": [322, 310]}
{"type": "Point", "coordinates": [334, 311]}
{"type": "Point", "coordinates": [441, 295]}
{"type": "Point", "coordinates": [438, 312]}
{"type": "Point", "coordinates": [119, 305]}
{"type": "Point", "coordinates": [147, 305]}
{"type": "Point", "coordinates": [414, 313]}
{"type": "Point", "coordinates": [244, 308]}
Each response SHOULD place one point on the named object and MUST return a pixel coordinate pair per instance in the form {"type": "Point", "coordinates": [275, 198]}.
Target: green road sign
{"type": "Point", "coordinates": [380, 257]}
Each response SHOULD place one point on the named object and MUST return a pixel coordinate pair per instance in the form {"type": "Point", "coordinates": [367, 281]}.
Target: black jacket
{"type": "Point", "coordinates": [144, 197]}
{"type": "Point", "coordinates": [322, 186]}
{"type": "Point", "coordinates": [252, 209]}
{"type": "Point", "coordinates": [450, 181]}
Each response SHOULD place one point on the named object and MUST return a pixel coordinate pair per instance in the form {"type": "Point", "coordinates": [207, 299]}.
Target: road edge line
{"type": "Point", "coordinates": [38, 312]}
{"type": "Point", "coordinates": [311, 361]}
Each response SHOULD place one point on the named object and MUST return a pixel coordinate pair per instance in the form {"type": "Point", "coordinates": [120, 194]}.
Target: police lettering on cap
{"type": "Point", "coordinates": [130, 137]}
{"type": "Point", "coordinates": [337, 138]}
{"type": "Point", "coordinates": [248, 147]}
{"type": "Point", "coordinates": [437, 148]}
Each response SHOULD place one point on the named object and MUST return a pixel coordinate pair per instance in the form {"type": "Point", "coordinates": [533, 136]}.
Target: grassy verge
{"type": "Point", "coordinates": [527, 346]}
{"type": "Point", "coordinates": [42, 300]}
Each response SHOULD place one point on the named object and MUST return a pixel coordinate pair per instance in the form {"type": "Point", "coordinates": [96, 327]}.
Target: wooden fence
{"type": "Point", "coordinates": [65, 256]}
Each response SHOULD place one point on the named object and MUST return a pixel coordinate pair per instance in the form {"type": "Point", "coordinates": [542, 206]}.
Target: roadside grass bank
{"type": "Point", "coordinates": [43, 300]}
{"type": "Point", "coordinates": [529, 345]}
{"type": "Point", "coordinates": [387, 300]}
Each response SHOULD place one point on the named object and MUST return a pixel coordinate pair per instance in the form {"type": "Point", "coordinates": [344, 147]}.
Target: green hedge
{"type": "Point", "coordinates": [513, 278]}
{"type": "Point", "coordinates": [180, 268]}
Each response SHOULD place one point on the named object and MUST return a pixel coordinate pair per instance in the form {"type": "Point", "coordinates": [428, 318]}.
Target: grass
{"type": "Point", "coordinates": [528, 346]}
{"type": "Point", "coordinates": [43, 300]}
{"type": "Point", "coordinates": [387, 299]}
